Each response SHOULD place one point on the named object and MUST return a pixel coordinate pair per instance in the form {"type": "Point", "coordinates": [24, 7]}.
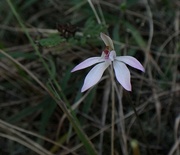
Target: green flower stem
{"type": "Point", "coordinates": [113, 111]}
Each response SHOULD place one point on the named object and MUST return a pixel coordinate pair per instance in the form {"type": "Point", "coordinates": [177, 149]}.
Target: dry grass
{"type": "Point", "coordinates": [32, 122]}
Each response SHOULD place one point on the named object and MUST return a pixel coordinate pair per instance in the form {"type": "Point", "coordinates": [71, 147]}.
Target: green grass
{"type": "Point", "coordinates": [42, 110]}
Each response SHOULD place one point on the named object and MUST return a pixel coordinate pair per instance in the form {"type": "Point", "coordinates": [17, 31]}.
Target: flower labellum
{"type": "Point", "coordinates": [108, 57]}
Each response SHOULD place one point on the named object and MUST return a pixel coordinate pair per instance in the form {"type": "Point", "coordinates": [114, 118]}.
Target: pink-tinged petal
{"type": "Point", "coordinates": [88, 62]}
{"type": "Point", "coordinates": [94, 75]}
{"type": "Point", "coordinates": [122, 74]}
{"type": "Point", "coordinates": [107, 40]}
{"type": "Point", "coordinates": [131, 61]}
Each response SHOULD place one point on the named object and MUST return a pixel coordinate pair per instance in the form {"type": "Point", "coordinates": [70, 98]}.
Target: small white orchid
{"type": "Point", "coordinates": [107, 58]}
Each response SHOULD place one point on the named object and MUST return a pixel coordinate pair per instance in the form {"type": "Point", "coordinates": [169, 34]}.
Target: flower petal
{"type": "Point", "coordinates": [94, 75]}
{"type": "Point", "coordinates": [131, 61]}
{"type": "Point", "coordinates": [86, 63]}
{"type": "Point", "coordinates": [108, 41]}
{"type": "Point", "coordinates": [122, 74]}
{"type": "Point", "coordinates": [112, 55]}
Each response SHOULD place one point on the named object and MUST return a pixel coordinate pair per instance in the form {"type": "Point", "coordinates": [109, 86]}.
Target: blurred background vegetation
{"type": "Point", "coordinates": [41, 41]}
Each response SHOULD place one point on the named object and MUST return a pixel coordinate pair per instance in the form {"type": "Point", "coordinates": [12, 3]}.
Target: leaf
{"type": "Point", "coordinates": [51, 41]}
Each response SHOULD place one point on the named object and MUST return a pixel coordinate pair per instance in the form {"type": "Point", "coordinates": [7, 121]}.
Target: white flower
{"type": "Point", "coordinates": [108, 58]}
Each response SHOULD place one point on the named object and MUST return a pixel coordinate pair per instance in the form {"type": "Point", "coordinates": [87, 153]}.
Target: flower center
{"type": "Point", "coordinates": [106, 52]}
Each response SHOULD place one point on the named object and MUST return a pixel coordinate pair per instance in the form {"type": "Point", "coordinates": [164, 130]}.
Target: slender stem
{"type": "Point", "coordinates": [140, 126]}
{"type": "Point", "coordinates": [94, 10]}
{"type": "Point", "coordinates": [122, 130]}
{"type": "Point", "coordinates": [113, 111]}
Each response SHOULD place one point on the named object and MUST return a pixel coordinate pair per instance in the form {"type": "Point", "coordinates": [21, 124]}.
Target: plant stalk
{"type": "Point", "coordinates": [113, 111]}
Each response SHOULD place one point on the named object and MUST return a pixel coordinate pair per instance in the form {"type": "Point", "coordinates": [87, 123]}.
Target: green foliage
{"type": "Point", "coordinates": [51, 41]}
{"type": "Point", "coordinates": [92, 29]}
{"type": "Point", "coordinates": [89, 34]}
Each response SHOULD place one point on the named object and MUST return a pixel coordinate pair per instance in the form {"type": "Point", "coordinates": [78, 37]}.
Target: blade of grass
{"type": "Point", "coordinates": [136, 35]}
{"type": "Point", "coordinates": [72, 118]}
{"type": "Point", "coordinates": [23, 142]}
{"type": "Point", "coordinates": [21, 137]}
{"type": "Point", "coordinates": [25, 112]}
{"type": "Point", "coordinates": [82, 136]}
{"type": "Point", "coordinates": [32, 134]}
{"type": "Point", "coordinates": [48, 109]}
{"type": "Point", "coordinates": [27, 34]}
{"type": "Point", "coordinates": [95, 12]}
